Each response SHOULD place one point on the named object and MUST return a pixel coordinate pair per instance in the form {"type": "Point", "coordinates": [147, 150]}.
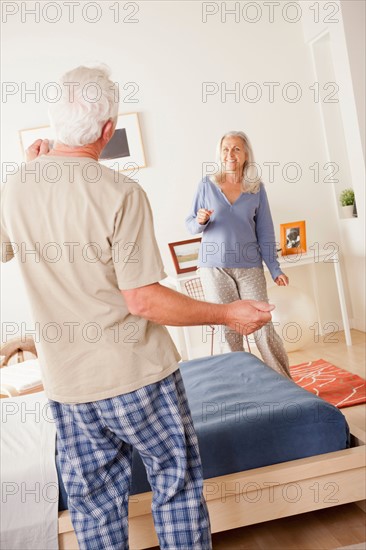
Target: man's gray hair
{"type": "Point", "coordinates": [89, 99]}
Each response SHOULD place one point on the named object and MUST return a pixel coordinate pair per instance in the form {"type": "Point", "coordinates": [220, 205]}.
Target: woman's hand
{"type": "Point", "coordinates": [282, 280]}
{"type": "Point", "coordinates": [203, 215]}
{"type": "Point", "coordinates": [38, 148]}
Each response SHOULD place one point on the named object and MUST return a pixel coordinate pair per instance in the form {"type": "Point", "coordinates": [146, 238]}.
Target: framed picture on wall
{"type": "Point", "coordinates": [185, 255]}
{"type": "Point", "coordinates": [293, 238]}
{"type": "Point", "coordinates": [124, 152]}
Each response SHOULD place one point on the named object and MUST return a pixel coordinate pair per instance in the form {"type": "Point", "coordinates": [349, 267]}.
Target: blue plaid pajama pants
{"type": "Point", "coordinates": [95, 446]}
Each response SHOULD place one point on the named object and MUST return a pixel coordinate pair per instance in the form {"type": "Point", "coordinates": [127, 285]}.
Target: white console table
{"type": "Point", "coordinates": [312, 258]}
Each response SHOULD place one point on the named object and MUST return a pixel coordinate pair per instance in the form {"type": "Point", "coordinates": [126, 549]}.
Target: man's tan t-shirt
{"type": "Point", "coordinates": [81, 233]}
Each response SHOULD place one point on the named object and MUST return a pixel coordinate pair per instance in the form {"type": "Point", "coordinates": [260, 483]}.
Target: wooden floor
{"type": "Point", "coordinates": [322, 530]}
{"type": "Point", "coordinates": [325, 529]}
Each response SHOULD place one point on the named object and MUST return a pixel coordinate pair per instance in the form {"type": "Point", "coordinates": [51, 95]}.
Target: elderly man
{"type": "Point", "coordinates": [85, 240]}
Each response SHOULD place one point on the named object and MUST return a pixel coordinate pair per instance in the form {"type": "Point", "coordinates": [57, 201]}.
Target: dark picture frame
{"type": "Point", "coordinates": [185, 255]}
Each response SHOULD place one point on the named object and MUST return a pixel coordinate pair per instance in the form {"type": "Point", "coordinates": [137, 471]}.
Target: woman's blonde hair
{"type": "Point", "coordinates": [251, 179]}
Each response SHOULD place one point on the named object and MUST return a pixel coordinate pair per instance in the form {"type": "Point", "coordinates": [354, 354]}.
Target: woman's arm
{"type": "Point", "coordinates": [192, 223]}
{"type": "Point", "coordinates": [266, 235]}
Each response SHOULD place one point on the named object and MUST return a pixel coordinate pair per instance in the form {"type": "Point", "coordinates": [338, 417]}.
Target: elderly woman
{"type": "Point", "coordinates": [231, 211]}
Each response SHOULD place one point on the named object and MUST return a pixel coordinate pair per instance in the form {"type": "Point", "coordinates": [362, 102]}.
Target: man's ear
{"type": "Point", "coordinates": [108, 131]}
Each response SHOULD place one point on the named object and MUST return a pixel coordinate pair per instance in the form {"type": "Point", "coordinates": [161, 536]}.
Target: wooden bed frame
{"type": "Point", "coordinates": [261, 494]}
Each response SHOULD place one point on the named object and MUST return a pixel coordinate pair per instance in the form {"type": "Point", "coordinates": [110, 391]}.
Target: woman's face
{"type": "Point", "coordinates": [233, 154]}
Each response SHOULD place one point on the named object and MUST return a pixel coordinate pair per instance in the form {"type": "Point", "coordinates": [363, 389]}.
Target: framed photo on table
{"type": "Point", "coordinates": [293, 238]}
{"type": "Point", "coordinates": [123, 153]}
{"type": "Point", "coordinates": [185, 255]}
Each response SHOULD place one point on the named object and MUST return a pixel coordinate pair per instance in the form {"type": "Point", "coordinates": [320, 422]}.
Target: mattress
{"type": "Point", "coordinates": [248, 416]}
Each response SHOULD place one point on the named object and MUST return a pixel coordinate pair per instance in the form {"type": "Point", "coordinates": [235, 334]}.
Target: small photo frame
{"type": "Point", "coordinates": [293, 238]}
{"type": "Point", "coordinates": [124, 152]}
{"type": "Point", "coordinates": [185, 255]}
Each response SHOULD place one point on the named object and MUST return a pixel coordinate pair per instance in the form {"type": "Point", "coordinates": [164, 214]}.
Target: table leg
{"type": "Point", "coordinates": [342, 300]}
{"type": "Point", "coordinates": [314, 281]}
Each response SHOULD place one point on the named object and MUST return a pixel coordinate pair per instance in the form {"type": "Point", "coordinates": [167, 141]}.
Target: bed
{"type": "Point", "coordinates": [260, 457]}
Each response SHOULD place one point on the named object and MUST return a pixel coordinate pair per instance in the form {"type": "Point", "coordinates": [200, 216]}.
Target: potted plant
{"type": "Point", "coordinates": [347, 200]}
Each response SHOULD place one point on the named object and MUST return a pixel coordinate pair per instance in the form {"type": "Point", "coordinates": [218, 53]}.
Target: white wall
{"type": "Point", "coordinates": [169, 53]}
{"type": "Point", "coordinates": [354, 16]}
{"type": "Point", "coordinates": [346, 38]}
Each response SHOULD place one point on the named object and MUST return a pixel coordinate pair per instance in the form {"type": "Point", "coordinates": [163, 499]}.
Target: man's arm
{"type": "Point", "coordinates": [38, 147]}
{"type": "Point", "coordinates": [168, 307]}
{"type": "Point", "coordinates": [6, 245]}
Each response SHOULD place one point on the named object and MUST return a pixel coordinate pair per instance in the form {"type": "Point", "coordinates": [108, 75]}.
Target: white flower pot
{"type": "Point", "coordinates": [347, 211]}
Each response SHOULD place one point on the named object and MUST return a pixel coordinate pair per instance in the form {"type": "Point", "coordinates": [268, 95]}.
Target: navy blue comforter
{"type": "Point", "coordinates": [247, 416]}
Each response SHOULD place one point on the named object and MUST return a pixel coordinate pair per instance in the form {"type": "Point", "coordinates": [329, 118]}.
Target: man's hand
{"type": "Point", "coordinates": [38, 148]}
{"type": "Point", "coordinates": [247, 316]}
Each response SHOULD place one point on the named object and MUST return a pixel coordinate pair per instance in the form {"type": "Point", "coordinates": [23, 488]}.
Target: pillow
{"type": "Point", "coordinates": [23, 376]}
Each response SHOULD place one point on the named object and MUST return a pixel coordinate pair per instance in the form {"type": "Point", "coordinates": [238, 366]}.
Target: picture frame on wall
{"type": "Point", "coordinates": [124, 152]}
{"type": "Point", "coordinates": [293, 238]}
{"type": "Point", "coordinates": [185, 255]}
